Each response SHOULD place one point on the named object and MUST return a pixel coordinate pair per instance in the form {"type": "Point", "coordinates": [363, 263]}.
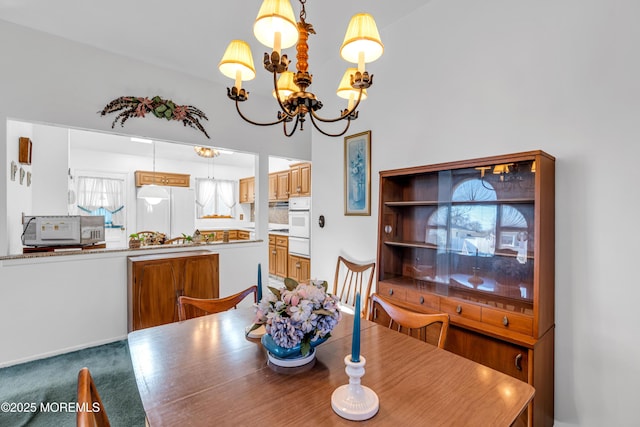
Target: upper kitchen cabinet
{"type": "Point", "coordinates": [247, 190]}
{"type": "Point", "coordinates": [279, 186]}
{"type": "Point", "coordinates": [162, 178]}
{"type": "Point", "coordinates": [300, 179]}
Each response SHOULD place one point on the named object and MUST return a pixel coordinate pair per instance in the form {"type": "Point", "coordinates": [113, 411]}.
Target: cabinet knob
{"type": "Point", "coordinates": [297, 264]}
{"type": "Point", "coordinates": [518, 362]}
{"type": "Point", "coordinates": [390, 291]}
{"type": "Point", "coordinates": [421, 299]}
{"type": "Point", "coordinates": [505, 321]}
{"type": "Point", "coordinates": [459, 309]}
{"type": "Point", "coordinates": [273, 252]}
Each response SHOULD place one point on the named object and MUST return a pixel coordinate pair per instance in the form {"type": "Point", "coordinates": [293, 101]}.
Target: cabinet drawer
{"type": "Point", "coordinates": [513, 321]}
{"type": "Point", "coordinates": [459, 308]}
{"type": "Point", "coordinates": [272, 239]}
{"type": "Point", "coordinates": [390, 291]}
{"type": "Point", "coordinates": [423, 299]}
{"type": "Point", "coordinates": [282, 241]}
{"type": "Point", "coordinates": [500, 355]}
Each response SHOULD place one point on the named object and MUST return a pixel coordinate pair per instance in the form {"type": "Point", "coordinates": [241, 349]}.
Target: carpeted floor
{"type": "Point", "coordinates": [46, 385]}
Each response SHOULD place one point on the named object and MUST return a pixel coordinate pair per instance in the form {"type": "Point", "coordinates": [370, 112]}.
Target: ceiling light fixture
{"type": "Point", "coordinates": [152, 193]}
{"type": "Point", "coordinates": [275, 27]}
{"type": "Point", "coordinates": [206, 152]}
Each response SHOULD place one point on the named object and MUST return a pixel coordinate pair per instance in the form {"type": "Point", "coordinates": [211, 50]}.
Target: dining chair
{"type": "Point", "coordinates": [350, 279]}
{"type": "Point", "coordinates": [190, 307]}
{"type": "Point", "coordinates": [386, 312]}
{"type": "Point", "coordinates": [176, 241]}
{"type": "Point", "coordinates": [90, 411]}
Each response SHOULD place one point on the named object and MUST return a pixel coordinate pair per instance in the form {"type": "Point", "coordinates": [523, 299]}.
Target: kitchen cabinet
{"type": "Point", "coordinates": [247, 190]}
{"type": "Point", "coordinates": [299, 268]}
{"type": "Point", "coordinates": [278, 251]}
{"type": "Point", "coordinates": [282, 179]}
{"type": "Point", "coordinates": [272, 254]}
{"type": "Point", "coordinates": [162, 178]}
{"type": "Point", "coordinates": [273, 187]}
{"type": "Point", "coordinates": [475, 239]}
{"type": "Point", "coordinates": [279, 186]}
{"type": "Point", "coordinates": [218, 235]}
{"type": "Point", "coordinates": [156, 281]}
{"type": "Point", "coordinates": [300, 179]}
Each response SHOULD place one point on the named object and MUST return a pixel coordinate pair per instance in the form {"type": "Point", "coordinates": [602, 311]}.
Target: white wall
{"type": "Point", "coordinates": [19, 194]}
{"type": "Point", "coordinates": [464, 79]}
{"type": "Point", "coordinates": [50, 170]}
{"type": "Point", "coordinates": [77, 301]}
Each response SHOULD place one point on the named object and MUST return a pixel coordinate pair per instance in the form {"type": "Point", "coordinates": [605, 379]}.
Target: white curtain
{"type": "Point", "coordinates": [215, 196]}
{"type": "Point", "coordinates": [96, 193]}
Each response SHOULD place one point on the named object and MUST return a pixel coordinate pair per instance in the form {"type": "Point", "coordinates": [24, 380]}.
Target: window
{"type": "Point", "coordinates": [102, 196]}
{"type": "Point", "coordinates": [471, 229]}
{"type": "Point", "coordinates": [216, 198]}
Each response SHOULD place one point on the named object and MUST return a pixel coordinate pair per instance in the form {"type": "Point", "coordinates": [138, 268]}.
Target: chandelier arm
{"type": "Point", "coordinates": [315, 125]}
{"type": "Point", "coordinates": [282, 107]}
{"type": "Point", "coordinates": [295, 127]}
{"type": "Point", "coordinates": [283, 118]}
{"type": "Point", "coordinates": [343, 116]}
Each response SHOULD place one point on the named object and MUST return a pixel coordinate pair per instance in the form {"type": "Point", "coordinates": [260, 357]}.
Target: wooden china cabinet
{"type": "Point", "coordinates": [475, 239]}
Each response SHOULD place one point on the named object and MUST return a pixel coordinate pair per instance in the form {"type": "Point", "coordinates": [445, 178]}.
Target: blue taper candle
{"type": "Point", "coordinates": [259, 282]}
{"type": "Point", "coordinates": [355, 342]}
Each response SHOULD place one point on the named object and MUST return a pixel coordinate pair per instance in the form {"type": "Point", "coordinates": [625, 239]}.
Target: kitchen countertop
{"type": "Point", "coordinates": [66, 252]}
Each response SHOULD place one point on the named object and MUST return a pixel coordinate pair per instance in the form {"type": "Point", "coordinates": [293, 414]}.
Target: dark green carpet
{"type": "Point", "coordinates": [53, 381]}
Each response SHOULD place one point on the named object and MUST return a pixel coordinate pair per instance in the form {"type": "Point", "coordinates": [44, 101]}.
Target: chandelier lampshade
{"type": "Point", "coordinates": [275, 25]}
{"type": "Point", "coordinates": [237, 62]}
{"type": "Point", "coordinates": [362, 40]}
{"type": "Point", "coordinates": [345, 90]}
{"type": "Point", "coordinates": [286, 86]}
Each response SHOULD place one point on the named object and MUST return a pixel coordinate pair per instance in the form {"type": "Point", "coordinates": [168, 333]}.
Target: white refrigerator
{"type": "Point", "coordinates": [172, 217]}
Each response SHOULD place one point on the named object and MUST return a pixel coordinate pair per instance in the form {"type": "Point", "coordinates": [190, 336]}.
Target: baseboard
{"type": "Point", "coordinates": [61, 351]}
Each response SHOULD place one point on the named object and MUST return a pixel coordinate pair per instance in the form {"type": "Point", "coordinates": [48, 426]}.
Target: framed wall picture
{"type": "Point", "coordinates": [357, 174]}
{"type": "Point", "coordinates": [24, 150]}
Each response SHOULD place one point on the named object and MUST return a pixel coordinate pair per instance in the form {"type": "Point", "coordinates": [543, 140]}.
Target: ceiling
{"type": "Point", "coordinates": [190, 36]}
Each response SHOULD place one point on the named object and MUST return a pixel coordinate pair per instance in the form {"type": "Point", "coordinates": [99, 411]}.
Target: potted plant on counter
{"type": "Point", "coordinates": [134, 241]}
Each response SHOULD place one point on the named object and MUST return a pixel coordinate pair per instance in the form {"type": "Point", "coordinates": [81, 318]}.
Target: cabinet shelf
{"type": "Point", "coordinates": [410, 203]}
{"type": "Point", "coordinates": [423, 245]}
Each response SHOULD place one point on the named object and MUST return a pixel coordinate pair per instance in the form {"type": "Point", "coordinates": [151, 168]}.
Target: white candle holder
{"type": "Point", "coordinates": [354, 401]}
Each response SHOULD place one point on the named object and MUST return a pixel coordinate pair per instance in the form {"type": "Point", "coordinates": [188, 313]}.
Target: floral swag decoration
{"type": "Point", "coordinates": [298, 314]}
{"type": "Point", "coordinates": [131, 106]}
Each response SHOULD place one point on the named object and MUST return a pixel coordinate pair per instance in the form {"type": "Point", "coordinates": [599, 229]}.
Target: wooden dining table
{"type": "Point", "coordinates": [205, 372]}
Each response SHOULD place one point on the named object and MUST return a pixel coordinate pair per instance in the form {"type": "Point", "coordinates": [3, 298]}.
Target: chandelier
{"type": "Point", "coordinates": [275, 27]}
{"type": "Point", "coordinates": [206, 152]}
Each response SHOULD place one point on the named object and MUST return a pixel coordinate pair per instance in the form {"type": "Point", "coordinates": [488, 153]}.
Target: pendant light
{"type": "Point", "coordinates": [151, 193]}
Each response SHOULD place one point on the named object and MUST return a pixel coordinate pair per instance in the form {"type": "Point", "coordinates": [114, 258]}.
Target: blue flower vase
{"type": "Point", "coordinates": [289, 357]}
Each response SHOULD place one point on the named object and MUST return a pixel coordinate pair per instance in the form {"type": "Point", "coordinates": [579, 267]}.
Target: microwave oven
{"type": "Point", "coordinates": [62, 230]}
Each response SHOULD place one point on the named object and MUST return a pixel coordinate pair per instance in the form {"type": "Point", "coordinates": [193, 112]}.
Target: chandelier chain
{"type": "Point", "coordinates": [303, 12]}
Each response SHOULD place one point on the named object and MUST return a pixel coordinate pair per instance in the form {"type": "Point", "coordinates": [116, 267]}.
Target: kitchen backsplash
{"type": "Point", "coordinates": [278, 213]}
